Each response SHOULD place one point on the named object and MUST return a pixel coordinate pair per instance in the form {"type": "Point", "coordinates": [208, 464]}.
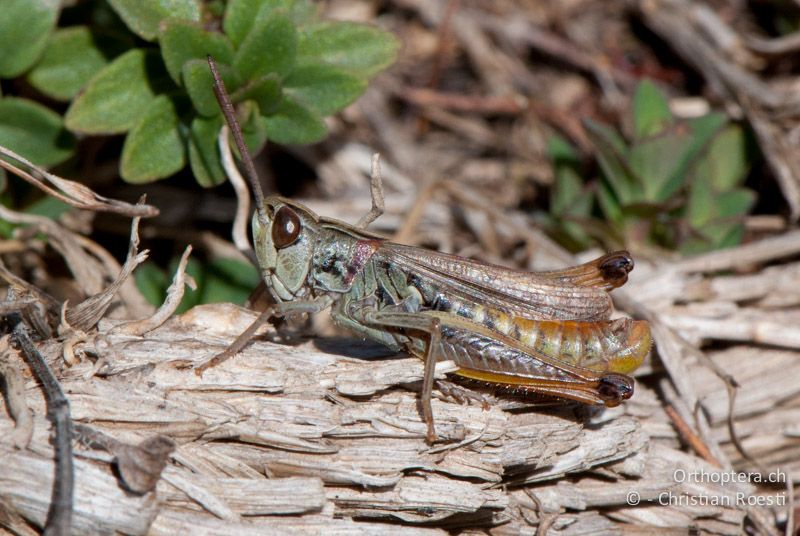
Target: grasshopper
{"type": "Point", "coordinates": [546, 333]}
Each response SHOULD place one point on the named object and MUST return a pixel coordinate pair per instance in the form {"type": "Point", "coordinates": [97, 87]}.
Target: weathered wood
{"type": "Point", "coordinates": [253, 442]}
{"type": "Point", "coordinates": [100, 504]}
{"type": "Point", "coordinates": [270, 432]}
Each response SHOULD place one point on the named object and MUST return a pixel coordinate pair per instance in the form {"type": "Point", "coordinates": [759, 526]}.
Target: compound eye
{"type": "Point", "coordinates": [285, 227]}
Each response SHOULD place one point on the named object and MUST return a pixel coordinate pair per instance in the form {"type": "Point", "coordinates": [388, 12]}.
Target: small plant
{"type": "Point", "coordinates": [216, 280]}
{"type": "Point", "coordinates": [284, 68]}
{"type": "Point", "coordinates": [571, 201]}
{"type": "Point", "coordinates": [138, 67]}
{"type": "Point", "coordinates": [29, 128]}
{"type": "Point", "coordinates": [676, 183]}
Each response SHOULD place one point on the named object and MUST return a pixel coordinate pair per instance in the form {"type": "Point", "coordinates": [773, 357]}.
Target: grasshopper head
{"type": "Point", "coordinates": [283, 239]}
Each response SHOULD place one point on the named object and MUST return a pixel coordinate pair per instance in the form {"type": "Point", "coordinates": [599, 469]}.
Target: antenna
{"type": "Point", "coordinates": [230, 117]}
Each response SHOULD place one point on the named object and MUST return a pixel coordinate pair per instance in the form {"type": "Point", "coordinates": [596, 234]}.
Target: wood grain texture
{"type": "Point", "coordinates": [326, 435]}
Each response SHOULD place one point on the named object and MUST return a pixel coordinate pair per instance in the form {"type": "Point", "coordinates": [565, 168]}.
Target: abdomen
{"type": "Point", "coordinates": [614, 345]}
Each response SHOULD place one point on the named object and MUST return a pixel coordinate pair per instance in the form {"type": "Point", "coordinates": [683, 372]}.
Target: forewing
{"type": "Point", "coordinates": [607, 272]}
{"type": "Point", "coordinates": [578, 293]}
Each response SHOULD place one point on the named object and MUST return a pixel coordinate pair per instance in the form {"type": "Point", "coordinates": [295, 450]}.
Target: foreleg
{"type": "Point", "coordinates": [276, 310]}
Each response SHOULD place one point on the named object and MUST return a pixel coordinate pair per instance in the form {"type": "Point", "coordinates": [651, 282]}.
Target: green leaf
{"type": "Point", "coordinates": [659, 163]}
{"type": "Point", "coordinates": [229, 280]}
{"type": "Point", "coordinates": [324, 88]}
{"type": "Point", "coordinates": [700, 205]}
{"type": "Point", "coordinates": [143, 17]}
{"type": "Point", "coordinates": [713, 236]}
{"type": "Point", "coordinates": [573, 217]}
{"type": "Point", "coordinates": [154, 148]}
{"type": "Point", "coordinates": [117, 96]}
{"type": "Point", "coordinates": [715, 177]}
{"type": "Point", "coordinates": [182, 41]}
{"type": "Point", "coordinates": [725, 164]}
{"type": "Point", "coordinates": [728, 236]}
{"type": "Point", "coordinates": [567, 188]}
{"type": "Point", "coordinates": [735, 203]}
{"type": "Point", "coordinates": [570, 202]}
{"type": "Point", "coordinates": [241, 15]}
{"type": "Point", "coordinates": [49, 207]}
{"type": "Point", "coordinates": [650, 110]}
{"type": "Point", "coordinates": [293, 123]}
{"type": "Point", "coordinates": [221, 280]}
{"type": "Point", "coordinates": [359, 49]}
{"type": "Point", "coordinates": [34, 131]}
{"type": "Point", "coordinates": [609, 204]}
{"type": "Point", "coordinates": [239, 273]}
{"type": "Point", "coordinates": [152, 283]}
{"type": "Point", "coordinates": [25, 26]}
{"type": "Point", "coordinates": [561, 152]}
{"type": "Point", "coordinates": [706, 127]}
{"type": "Point", "coordinates": [200, 85]}
{"type": "Point", "coordinates": [196, 270]}
{"type": "Point", "coordinates": [700, 131]}
{"type": "Point", "coordinates": [203, 151]}
{"type": "Point", "coordinates": [264, 91]}
{"type": "Point", "coordinates": [254, 130]}
{"type": "Point", "coordinates": [612, 154]}
{"type": "Point", "coordinates": [72, 57]}
{"type": "Point", "coordinates": [6, 227]}
{"type": "Point", "coordinates": [254, 127]}
{"type": "Point", "coordinates": [270, 47]}
{"type": "Point", "coordinates": [720, 225]}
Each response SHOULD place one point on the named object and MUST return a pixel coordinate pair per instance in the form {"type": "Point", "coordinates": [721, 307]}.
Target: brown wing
{"type": "Point", "coordinates": [577, 293]}
{"type": "Point", "coordinates": [607, 272]}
